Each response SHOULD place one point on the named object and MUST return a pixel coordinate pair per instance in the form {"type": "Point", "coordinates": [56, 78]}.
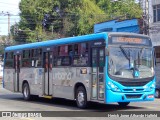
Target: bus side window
{"type": "Point", "coordinates": [36, 56]}
{"type": "Point", "coordinates": [65, 53]}
{"type": "Point", "coordinates": [9, 60]}
{"type": "Point", "coordinates": [76, 49]}
{"type": "Point", "coordinates": [32, 57]}
{"type": "Point", "coordinates": [46, 62]}
{"type": "Point", "coordinates": [81, 54]}
{"type": "Point", "coordinates": [26, 61]}
{"type": "Point", "coordinates": [38, 61]}
{"type": "Point", "coordinates": [55, 54]}
{"type": "Point", "coordinates": [58, 58]}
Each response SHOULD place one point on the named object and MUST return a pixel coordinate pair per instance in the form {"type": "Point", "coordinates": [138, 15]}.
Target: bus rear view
{"type": "Point", "coordinates": [129, 69]}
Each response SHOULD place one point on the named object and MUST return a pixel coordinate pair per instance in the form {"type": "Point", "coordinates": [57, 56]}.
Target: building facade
{"type": "Point", "coordinates": [154, 25]}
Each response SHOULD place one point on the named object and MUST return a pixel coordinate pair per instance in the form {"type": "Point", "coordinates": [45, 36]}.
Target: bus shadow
{"type": "Point", "coordinates": [70, 104]}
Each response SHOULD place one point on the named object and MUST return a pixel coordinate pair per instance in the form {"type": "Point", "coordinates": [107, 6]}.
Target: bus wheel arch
{"type": "Point", "coordinates": [80, 94]}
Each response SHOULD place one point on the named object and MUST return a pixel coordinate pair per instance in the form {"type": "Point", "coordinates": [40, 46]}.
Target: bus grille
{"type": "Point", "coordinates": [133, 96]}
{"type": "Point", "coordinates": [139, 83]}
{"type": "Point", "coordinates": [132, 90]}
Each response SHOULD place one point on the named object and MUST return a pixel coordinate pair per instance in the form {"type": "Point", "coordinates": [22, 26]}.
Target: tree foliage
{"type": "Point", "coordinates": [49, 19]}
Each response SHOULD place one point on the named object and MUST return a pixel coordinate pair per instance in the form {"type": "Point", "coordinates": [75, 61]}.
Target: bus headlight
{"type": "Point", "coordinates": [113, 87]}
{"type": "Point", "coordinates": [153, 85]}
{"type": "Point", "coordinates": [150, 88]}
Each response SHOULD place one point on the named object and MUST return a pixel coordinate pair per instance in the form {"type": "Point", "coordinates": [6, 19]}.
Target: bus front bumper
{"type": "Point", "coordinates": [112, 96]}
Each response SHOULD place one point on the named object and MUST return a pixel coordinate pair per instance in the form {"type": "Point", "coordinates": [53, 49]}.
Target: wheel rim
{"type": "Point", "coordinates": [157, 93]}
{"type": "Point", "coordinates": [80, 98]}
{"type": "Point", "coordinates": [26, 92]}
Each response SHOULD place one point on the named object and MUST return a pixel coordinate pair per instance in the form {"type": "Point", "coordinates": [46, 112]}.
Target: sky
{"type": "Point", "coordinates": [10, 6]}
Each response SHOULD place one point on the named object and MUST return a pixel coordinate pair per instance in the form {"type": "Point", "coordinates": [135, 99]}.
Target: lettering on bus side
{"type": "Point", "coordinates": [62, 76]}
{"type": "Point", "coordinates": [48, 49]}
{"type": "Point", "coordinates": [98, 43]}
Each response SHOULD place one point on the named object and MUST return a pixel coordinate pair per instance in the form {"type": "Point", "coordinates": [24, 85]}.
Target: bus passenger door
{"type": "Point", "coordinates": [48, 58]}
{"type": "Point", "coordinates": [17, 59]}
{"type": "Point", "coordinates": [98, 63]}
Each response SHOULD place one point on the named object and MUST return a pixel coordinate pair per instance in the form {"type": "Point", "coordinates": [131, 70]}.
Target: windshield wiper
{"type": "Point", "coordinates": [127, 56]}
{"type": "Point", "coordinates": [124, 53]}
{"type": "Point", "coordinates": [140, 53]}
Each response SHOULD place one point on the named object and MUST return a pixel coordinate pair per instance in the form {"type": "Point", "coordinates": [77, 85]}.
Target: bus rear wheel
{"type": "Point", "coordinates": [26, 92]}
{"type": "Point", "coordinates": [81, 97]}
{"type": "Point", "coordinates": [123, 104]}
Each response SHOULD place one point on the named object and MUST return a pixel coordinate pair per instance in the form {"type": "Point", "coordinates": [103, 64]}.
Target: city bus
{"type": "Point", "coordinates": [105, 67]}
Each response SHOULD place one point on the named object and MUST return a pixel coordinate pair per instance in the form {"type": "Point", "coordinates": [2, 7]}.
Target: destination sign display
{"type": "Point", "coordinates": [130, 40]}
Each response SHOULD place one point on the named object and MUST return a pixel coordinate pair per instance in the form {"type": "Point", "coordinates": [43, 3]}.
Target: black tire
{"type": "Point", "coordinates": [157, 93]}
{"type": "Point", "coordinates": [81, 97]}
{"type": "Point", "coordinates": [26, 92]}
{"type": "Point", "coordinates": [123, 104]}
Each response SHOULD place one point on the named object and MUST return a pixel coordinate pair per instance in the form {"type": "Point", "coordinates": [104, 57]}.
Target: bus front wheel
{"type": "Point", "coordinates": [26, 92]}
{"type": "Point", "coordinates": [123, 104]}
{"type": "Point", "coordinates": [81, 97]}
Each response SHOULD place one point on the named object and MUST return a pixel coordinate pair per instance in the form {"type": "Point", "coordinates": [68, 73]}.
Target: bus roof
{"type": "Point", "coordinates": [69, 40]}
{"type": "Point", "coordinates": [60, 41]}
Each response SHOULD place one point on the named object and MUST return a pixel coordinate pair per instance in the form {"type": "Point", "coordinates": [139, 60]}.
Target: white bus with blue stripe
{"type": "Point", "coordinates": [103, 67]}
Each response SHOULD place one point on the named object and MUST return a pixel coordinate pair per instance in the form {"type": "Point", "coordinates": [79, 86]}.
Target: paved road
{"type": "Point", "coordinates": [14, 102]}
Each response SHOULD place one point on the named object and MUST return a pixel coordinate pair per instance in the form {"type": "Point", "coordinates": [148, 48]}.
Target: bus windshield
{"type": "Point", "coordinates": [125, 60]}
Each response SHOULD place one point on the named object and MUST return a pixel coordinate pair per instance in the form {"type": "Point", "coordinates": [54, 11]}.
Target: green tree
{"type": "Point", "coordinates": [127, 8]}
{"type": "Point", "coordinates": [66, 18]}
{"type": "Point", "coordinates": [32, 15]}
{"type": "Point", "coordinates": [49, 19]}
{"type": "Point", "coordinates": [91, 16]}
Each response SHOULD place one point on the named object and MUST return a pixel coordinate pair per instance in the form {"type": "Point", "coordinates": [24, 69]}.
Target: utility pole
{"type": "Point", "coordinates": [8, 24]}
{"type": "Point", "coordinates": [147, 16]}
{"type": "Point", "coordinates": [52, 28]}
{"type": "Point", "coordinates": [145, 6]}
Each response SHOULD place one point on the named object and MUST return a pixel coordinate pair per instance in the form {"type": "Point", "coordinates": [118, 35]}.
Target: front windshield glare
{"type": "Point", "coordinates": [130, 62]}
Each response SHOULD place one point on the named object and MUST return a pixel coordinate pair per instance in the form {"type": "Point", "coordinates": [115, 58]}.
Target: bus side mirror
{"type": "Point", "coordinates": [106, 52]}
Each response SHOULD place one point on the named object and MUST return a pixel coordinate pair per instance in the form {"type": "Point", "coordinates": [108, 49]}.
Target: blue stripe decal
{"type": "Point", "coordinates": [68, 40]}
